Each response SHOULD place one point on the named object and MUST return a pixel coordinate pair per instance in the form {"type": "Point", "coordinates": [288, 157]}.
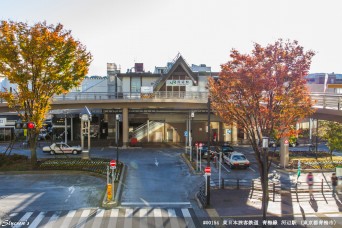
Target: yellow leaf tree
{"type": "Point", "coordinates": [42, 60]}
{"type": "Point", "coordinates": [263, 92]}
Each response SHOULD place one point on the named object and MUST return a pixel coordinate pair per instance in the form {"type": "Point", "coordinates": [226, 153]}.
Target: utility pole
{"type": "Point", "coordinates": [208, 155]}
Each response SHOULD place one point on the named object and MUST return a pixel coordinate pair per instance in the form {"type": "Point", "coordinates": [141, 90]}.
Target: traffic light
{"type": "Point", "coordinates": [30, 125]}
{"type": "Point", "coordinates": [25, 125]}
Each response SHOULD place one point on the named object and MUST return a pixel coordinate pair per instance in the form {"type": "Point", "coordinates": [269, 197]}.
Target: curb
{"type": "Point", "coordinates": [192, 170]}
{"type": "Point", "coordinates": [117, 198]}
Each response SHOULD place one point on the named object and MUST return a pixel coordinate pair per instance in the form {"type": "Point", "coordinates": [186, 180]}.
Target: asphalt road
{"type": "Point", "coordinates": [157, 177]}
{"type": "Point", "coordinates": [46, 192]}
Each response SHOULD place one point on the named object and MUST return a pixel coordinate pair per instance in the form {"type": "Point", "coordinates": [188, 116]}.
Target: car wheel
{"type": "Point", "coordinates": [52, 152]}
{"type": "Point", "coordinates": [74, 152]}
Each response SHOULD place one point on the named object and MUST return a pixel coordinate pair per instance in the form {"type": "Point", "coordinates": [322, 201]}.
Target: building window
{"type": "Point", "coordinates": [135, 85]}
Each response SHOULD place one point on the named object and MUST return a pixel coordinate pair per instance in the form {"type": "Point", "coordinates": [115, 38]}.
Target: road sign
{"type": "Point", "coordinates": [186, 133]}
{"type": "Point", "coordinates": [286, 142]}
{"type": "Point", "coordinates": [228, 131]}
{"type": "Point", "coordinates": [112, 164]}
{"type": "Point", "coordinates": [200, 146]}
{"type": "Point", "coordinates": [207, 170]}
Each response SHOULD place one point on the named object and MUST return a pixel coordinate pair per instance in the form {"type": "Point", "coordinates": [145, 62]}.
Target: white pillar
{"type": "Point", "coordinates": [148, 130]}
{"type": "Point", "coordinates": [71, 129]}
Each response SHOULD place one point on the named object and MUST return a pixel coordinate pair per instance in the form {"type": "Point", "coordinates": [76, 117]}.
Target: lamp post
{"type": "Point", "coordinates": [208, 154]}
{"type": "Point", "coordinates": [265, 187]}
{"type": "Point", "coordinates": [117, 137]}
{"type": "Point", "coordinates": [192, 115]}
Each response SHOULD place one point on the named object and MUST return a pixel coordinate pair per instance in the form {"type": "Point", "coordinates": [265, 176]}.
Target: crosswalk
{"type": "Point", "coordinates": [144, 217]}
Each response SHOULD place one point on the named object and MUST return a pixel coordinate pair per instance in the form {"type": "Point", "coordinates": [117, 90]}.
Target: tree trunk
{"type": "Point", "coordinates": [264, 185]}
{"type": "Point", "coordinates": [33, 146]}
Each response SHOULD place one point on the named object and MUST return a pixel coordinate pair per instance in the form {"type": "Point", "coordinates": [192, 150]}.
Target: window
{"type": "Point", "coordinates": [135, 85]}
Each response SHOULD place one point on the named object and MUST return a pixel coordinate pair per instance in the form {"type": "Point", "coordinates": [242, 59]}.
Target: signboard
{"type": "Point", "coordinates": [186, 133]}
{"type": "Point", "coordinates": [200, 146]}
{"type": "Point", "coordinates": [178, 82]}
{"type": "Point", "coordinates": [112, 164]}
{"type": "Point", "coordinates": [228, 131]}
{"type": "Point", "coordinates": [3, 121]}
{"type": "Point", "coordinates": [146, 89]}
{"type": "Point", "coordinates": [207, 170]}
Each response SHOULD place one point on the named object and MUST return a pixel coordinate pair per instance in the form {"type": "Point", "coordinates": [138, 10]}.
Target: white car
{"type": "Point", "coordinates": [62, 148]}
{"type": "Point", "coordinates": [236, 160]}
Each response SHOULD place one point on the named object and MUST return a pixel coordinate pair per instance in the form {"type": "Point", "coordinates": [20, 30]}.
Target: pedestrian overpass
{"type": "Point", "coordinates": [328, 106]}
{"type": "Point", "coordinates": [169, 107]}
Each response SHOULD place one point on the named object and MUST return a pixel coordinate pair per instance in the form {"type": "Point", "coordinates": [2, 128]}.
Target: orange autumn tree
{"type": "Point", "coordinates": [41, 60]}
{"type": "Point", "coordinates": [263, 92]}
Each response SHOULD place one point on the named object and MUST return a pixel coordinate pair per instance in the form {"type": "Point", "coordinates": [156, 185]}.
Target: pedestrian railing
{"type": "Point", "coordinates": [202, 197]}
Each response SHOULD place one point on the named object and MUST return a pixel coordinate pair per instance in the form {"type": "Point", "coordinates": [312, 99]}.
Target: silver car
{"type": "Point", "coordinates": [62, 148]}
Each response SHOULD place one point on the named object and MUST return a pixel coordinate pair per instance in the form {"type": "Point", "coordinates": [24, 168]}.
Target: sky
{"type": "Point", "coordinates": [153, 32]}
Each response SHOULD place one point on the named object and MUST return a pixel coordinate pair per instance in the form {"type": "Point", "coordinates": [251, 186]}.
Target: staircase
{"type": "Point", "coordinates": [142, 131]}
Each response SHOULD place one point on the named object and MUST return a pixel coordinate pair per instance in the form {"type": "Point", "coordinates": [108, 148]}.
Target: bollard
{"type": "Point", "coordinates": [222, 183]}
{"type": "Point", "coordinates": [238, 183]}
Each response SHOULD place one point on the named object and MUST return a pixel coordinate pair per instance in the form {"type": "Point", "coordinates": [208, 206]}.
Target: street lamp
{"type": "Point", "coordinates": [192, 115]}
{"type": "Point", "coordinates": [118, 116]}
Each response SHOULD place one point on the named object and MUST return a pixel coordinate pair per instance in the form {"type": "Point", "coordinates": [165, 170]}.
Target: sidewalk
{"type": "Point", "coordinates": [242, 205]}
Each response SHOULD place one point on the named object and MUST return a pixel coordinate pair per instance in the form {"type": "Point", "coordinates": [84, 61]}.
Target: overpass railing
{"type": "Point", "coordinates": [74, 96]}
{"type": "Point", "coordinates": [327, 100]}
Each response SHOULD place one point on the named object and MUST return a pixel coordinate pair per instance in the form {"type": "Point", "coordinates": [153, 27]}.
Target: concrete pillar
{"type": "Point", "coordinates": [284, 153]}
{"type": "Point", "coordinates": [148, 130]}
{"type": "Point", "coordinates": [72, 129]}
{"type": "Point", "coordinates": [125, 127]}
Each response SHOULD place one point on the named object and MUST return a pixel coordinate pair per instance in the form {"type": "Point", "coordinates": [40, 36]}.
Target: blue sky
{"type": "Point", "coordinates": [203, 31]}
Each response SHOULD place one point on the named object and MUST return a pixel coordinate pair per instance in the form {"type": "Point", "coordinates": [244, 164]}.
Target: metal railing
{"type": "Point", "coordinates": [75, 96]}
{"type": "Point", "coordinates": [323, 100]}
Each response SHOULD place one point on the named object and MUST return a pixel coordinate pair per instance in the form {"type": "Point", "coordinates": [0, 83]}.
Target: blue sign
{"type": "Point", "coordinates": [186, 133]}
{"type": "Point", "coordinates": [229, 131]}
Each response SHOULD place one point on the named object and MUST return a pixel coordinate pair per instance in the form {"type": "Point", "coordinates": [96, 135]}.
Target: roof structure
{"type": "Point", "coordinates": [179, 62]}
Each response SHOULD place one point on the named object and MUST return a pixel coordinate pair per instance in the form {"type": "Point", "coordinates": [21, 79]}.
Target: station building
{"type": "Point", "coordinates": [159, 106]}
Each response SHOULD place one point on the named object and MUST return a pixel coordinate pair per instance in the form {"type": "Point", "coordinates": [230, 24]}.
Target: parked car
{"type": "Point", "coordinates": [62, 148]}
{"type": "Point", "coordinates": [226, 147]}
{"type": "Point", "coordinates": [203, 150]}
{"type": "Point", "coordinates": [42, 134]}
{"type": "Point", "coordinates": [236, 160]}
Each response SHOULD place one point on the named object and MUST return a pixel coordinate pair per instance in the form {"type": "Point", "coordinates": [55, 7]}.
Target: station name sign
{"type": "Point", "coordinates": [178, 82]}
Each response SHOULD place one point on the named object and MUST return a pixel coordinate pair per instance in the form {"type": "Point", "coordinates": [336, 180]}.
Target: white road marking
{"type": "Point", "coordinates": [52, 221]}
{"type": "Point", "coordinates": [23, 219]}
{"type": "Point", "coordinates": [158, 217]}
{"type": "Point", "coordinates": [188, 219]}
{"type": "Point", "coordinates": [37, 220]}
{"type": "Point", "coordinates": [68, 218]}
{"type": "Point", "coordinates": [128, 217]}
{"type": "Point", "coordinates": [173, 218]}
{"type": "Point", "coordinates": [153, 203]}
{"type": "Point", "coordinates": [252, 169]}
{"type": "Point", "coordinates": [114, 214]}
{"type": "Point", "coordinates": [84, 217]}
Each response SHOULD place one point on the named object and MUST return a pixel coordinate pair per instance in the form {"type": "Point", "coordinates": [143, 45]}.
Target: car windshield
{"type": "Point", "coordinates": [239, 157]}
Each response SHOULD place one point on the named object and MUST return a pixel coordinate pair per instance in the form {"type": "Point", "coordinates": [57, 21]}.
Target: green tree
{"type": "Point", "coordinates": [42, 60]}
{"type": "Point", "coordinates": [331, 132]}
{"type": "Point", "coordinates": [264, 92]}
